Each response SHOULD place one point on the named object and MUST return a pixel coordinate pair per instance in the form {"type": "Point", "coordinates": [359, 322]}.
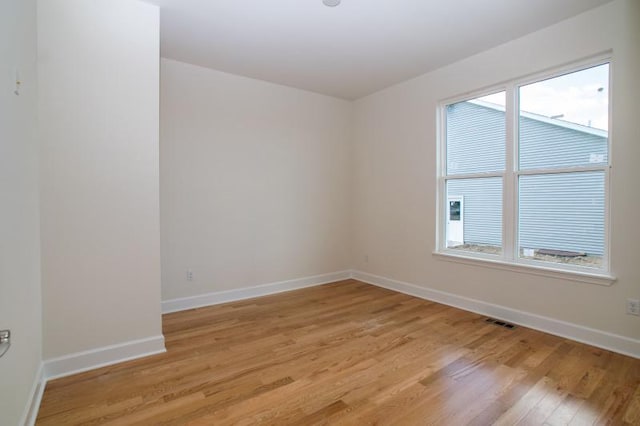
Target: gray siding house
{"type": "Point", "coordinates": [563, 211]}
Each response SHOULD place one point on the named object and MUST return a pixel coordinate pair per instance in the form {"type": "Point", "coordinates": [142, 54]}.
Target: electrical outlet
{"type": "Point", "coordinates": [366, 258]}
{"type": "Point", "coordinates": [633, 307]}
{"type": "Point", "coordinates": [189, 275]}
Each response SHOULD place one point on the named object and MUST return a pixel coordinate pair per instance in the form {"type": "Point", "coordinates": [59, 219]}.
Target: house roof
{"type": "Point", "coordinates": [544, 119]}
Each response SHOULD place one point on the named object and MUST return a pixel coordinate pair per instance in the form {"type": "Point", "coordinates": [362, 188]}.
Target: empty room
{"type": "Point", "coordinates": [331, 212]}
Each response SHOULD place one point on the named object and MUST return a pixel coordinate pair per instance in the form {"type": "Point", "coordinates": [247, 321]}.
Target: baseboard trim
{"type": "Point", "coordinates": [216, 298]}
{"type": "Point", "coordinates": [101, 357]}
{"type": "Point", "coordinates": [602, 339]}
{"type": "Point", "coordinates": [33, 404]}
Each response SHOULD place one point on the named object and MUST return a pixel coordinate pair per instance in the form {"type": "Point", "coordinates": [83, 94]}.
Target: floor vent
{"type": "Point", "coordinates": [500, 323]}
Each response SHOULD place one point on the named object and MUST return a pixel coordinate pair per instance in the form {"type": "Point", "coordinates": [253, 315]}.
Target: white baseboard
{"type": "Point", "coordinates": [216, 298]}
{"type": "Point", "coordinates": [35, 396]}
{"type": "Point", "coordinates": [101, 357]}
{"type": "Point", "coordinates": [599, 338]}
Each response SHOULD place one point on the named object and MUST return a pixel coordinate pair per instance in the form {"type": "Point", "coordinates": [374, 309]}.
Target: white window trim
{"type": "Point", "coordinates": [510, 259]}
{"type": "Point", "coordinates": [525, 268]}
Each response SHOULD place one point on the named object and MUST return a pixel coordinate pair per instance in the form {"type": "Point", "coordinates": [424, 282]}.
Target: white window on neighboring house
{"type": "Point", "coordinates": [524, 172]}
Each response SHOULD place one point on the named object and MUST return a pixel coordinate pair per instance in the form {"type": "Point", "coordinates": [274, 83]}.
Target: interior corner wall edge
{"type": "Point", "coordinates": [255, 182]}
{"type": "Point", "coordinates": [20, 297]}
{"type": "Point", "coordinates": [98, 108]}
{"type": "Point", "coordinates": [395, 174]}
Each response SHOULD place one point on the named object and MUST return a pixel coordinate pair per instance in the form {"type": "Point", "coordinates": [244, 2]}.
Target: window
{"type": "Point", "coordinates": [524, 172]}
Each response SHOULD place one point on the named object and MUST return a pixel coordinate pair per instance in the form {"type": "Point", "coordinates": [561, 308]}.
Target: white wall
{"type": "Point", "coordinates": [98, 112]}
{"type": "Point", "coordinates": [20, 301]}
{"type": "Point", "coordinates": [255, 181]}
{"type": "Point", "coordinates": [395, 174]}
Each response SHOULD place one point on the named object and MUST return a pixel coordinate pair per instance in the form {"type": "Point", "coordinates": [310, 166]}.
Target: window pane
{"type": "Point", "coordinates": [563, 121]}
{"type": "Point", "coordinates": [476, 135]}
{"type": "Point", "coordinates": [562, 218]}
{"type": "Point", "coordinates": [473, 216]}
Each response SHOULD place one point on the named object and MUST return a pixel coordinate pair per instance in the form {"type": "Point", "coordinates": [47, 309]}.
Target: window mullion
{"type": "Point", "coordinates": [475, 175]}
{"type": "Point", "coordinates": [509, 189]}
{"type": "Point", "coordinates": [562, 170]}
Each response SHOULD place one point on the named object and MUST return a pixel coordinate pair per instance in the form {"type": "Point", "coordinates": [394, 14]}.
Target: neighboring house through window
{"type": "Point", "coordinates": [524, 172]}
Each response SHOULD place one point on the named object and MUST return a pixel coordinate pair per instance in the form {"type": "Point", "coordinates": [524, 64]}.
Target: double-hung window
{"type": "Point", "coordinates": [524, 172]}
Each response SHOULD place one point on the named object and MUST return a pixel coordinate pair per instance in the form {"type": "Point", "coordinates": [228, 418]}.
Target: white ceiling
{"type": "Point", "coordinates": [351, 50]}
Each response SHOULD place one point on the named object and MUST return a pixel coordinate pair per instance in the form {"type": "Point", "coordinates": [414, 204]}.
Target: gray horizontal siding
{"type": "Point", "coordinates": [543, 145]}
{"type": "Point", "coordinates": [482, 209]}
{"type": "Point", "coordinates": [475, 139]}
{"type": "Point", "coordinates": [563, 212]}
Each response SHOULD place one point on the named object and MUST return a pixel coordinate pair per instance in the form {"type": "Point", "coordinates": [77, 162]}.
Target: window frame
{"type": "Point", "coordinates": [510, 258]}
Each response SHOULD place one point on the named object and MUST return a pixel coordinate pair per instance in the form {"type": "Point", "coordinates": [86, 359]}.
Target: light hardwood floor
{"type": "Point", "coordinates": [350, 353]}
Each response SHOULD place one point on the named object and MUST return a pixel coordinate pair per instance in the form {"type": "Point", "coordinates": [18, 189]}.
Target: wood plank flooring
{"type": "Point", "coordinates": [353, 354]}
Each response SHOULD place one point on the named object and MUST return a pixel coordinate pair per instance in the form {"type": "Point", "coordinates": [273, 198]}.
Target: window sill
{"type": "Point", "coordinates": [585, 277]}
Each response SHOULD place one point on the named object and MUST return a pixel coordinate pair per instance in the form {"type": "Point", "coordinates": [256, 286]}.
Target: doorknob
{"type": "Point", "coordinates": [5, 341]}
